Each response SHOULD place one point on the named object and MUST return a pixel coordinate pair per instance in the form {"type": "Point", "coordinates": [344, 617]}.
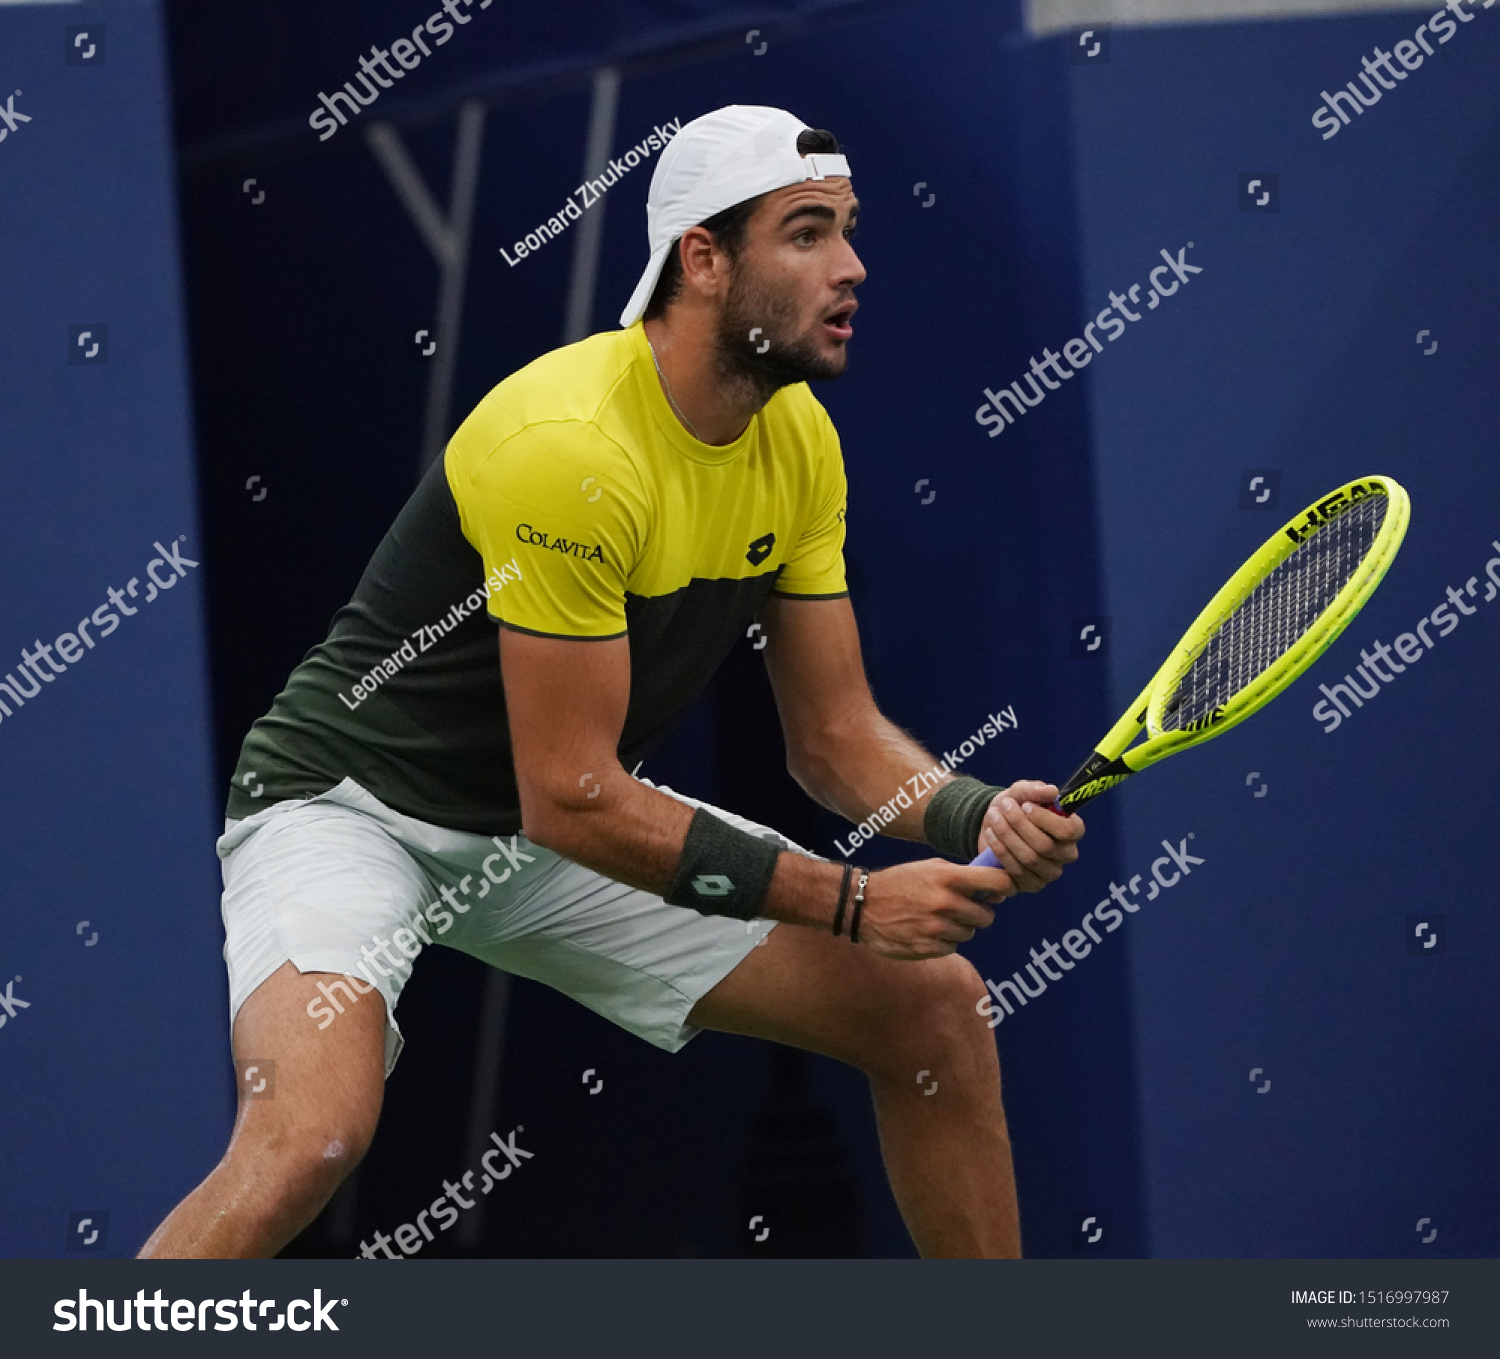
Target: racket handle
{"type": "Point", "coordinates": [988, 860]}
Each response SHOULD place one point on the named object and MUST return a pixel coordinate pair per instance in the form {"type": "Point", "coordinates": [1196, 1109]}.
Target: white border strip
{"type": "Point", "coordinates": [1058, 16]}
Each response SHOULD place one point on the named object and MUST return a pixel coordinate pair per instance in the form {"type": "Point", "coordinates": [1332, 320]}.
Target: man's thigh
{"type": "Point", "coordinates": [296, 1079]}
{"type": "Point", "coordinates": [323, 886]}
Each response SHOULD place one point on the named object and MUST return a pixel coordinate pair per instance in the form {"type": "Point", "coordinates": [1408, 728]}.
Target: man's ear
{"type": "Point", "coordinates": [705, 267]}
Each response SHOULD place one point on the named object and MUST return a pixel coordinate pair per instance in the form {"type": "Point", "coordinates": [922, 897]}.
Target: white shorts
{"type": "Point", "coordinates": [342, 883]}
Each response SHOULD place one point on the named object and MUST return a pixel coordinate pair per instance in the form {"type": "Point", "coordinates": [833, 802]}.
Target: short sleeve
{"type": "Point", "coordinates": [556, 514]}
{"type": "Point", "coordinates": [815, 569]}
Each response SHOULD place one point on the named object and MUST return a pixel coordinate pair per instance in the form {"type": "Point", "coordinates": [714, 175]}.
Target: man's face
{"type": "Point", "coordinates": [787, 313]}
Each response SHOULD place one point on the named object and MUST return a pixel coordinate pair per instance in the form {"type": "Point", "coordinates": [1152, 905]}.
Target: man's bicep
{"type": "Point", "coordinates": [814, 568]}
{"type": "Point", "coordinates": [565, 700]}
{"type": "Point", "coordinates": [557, 517]}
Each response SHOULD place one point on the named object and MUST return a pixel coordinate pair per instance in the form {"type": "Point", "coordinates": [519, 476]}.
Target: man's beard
{"type": "Point", "coordinates": [752, 305]}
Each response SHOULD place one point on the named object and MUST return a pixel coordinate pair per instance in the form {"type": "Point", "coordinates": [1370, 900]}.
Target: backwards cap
{"type": "Point", "coordinates": [718, 160]}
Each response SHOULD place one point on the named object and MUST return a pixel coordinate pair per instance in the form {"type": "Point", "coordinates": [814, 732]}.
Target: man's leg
{"type": "Point", "coordinates": [287, 1154]}
{"type": "Point", "coordinates": [947, 1153]}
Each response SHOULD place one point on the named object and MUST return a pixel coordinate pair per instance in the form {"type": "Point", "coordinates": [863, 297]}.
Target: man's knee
{"type": "Point", "coordinates": [930, 1019]}
{"type": "Point", "coordinates": [303, 1162]}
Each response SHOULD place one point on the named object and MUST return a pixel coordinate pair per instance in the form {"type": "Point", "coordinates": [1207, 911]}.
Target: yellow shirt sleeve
{"type": "Point", "coordinates": [558, 509]}
{"type": "Point", "coordinates": [815, 568]}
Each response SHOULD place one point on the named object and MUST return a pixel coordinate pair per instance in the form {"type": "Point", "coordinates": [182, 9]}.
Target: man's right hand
{"type": "Point", "coordinates": [927, 909]}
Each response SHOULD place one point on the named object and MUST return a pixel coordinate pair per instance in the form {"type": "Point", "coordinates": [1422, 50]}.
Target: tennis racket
{"type": "Point", "coordinates": [1274, 617]}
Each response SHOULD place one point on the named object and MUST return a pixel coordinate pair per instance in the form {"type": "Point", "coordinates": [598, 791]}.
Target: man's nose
{"type": "Point", "coordinates": [851, 272]}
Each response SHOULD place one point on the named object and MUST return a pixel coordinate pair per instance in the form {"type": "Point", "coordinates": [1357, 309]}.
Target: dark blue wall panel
{"type": "Point", "coordinates": [118, 1080]}
{"type": "Point", "coordinates": [1295, 349]}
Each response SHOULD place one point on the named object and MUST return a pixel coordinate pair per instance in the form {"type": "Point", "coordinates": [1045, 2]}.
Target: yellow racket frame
{"type": "Point", "coordinates": [1116, 759]}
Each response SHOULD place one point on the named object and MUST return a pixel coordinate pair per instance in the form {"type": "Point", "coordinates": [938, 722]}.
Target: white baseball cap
{"type": "Point", "coordinates": [716, 161]}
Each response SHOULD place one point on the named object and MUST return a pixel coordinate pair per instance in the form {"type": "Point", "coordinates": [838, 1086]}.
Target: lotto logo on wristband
{"type": "Point", "coordinates": [712, 885]}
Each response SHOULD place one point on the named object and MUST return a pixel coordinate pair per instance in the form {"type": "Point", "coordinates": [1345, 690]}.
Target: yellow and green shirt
{"type": "Point", "coordinates": [571, 503]}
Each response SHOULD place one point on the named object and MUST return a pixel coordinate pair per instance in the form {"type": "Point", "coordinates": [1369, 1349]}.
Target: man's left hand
{"type": "Point", "coordinates": [1032, 841]}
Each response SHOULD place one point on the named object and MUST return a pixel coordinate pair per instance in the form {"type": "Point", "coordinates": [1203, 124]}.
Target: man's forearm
{"type": "Point", "coordinates": [632, 833]}
{"type": "Point", "coordinates": [866, 766]}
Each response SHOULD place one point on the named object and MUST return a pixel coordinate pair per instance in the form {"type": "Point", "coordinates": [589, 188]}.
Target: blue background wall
{"type": "Point", "coordinates": [1126, 1083]}
{"type": "Point", "coordinates": [116, 1078]}
{"type": "Point", "coordinates": [1296, 349]}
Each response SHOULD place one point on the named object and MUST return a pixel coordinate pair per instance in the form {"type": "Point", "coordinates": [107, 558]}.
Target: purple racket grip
{"type": "Point", "coordinates": [985, 860]}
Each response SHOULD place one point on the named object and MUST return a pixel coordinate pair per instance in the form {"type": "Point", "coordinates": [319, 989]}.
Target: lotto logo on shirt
{"type": "Point", "coordinates": [539, 538]}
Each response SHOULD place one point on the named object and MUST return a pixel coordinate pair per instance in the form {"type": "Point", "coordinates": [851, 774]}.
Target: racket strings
{"type": "Point", "coordinates": [1262, 626]}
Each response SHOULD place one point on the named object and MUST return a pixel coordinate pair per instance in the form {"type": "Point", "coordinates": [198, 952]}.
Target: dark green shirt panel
{"type": "Point", "coordinates": [430, 739]}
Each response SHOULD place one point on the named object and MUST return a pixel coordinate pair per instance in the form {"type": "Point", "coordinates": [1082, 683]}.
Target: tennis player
{"type": "Point", "coordinates": [622, 509]}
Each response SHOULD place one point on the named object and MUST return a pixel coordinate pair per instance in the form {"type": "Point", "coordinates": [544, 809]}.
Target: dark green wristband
{"type": "Point", "coordinates": [723, 870]}
{"type": "Point", "coordinates": [955, 815]}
